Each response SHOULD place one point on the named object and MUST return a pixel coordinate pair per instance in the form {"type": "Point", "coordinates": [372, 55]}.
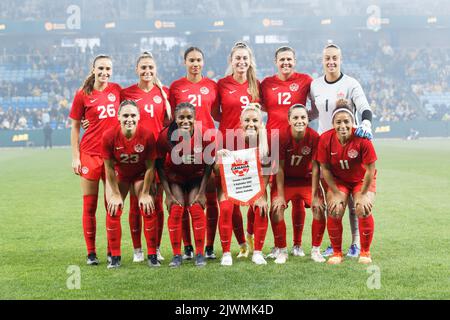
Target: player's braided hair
{"type": "Point", "coordinates": [263, 144]}
{"type": "Point", "coordinates": [173, 125]}
{"type": "Point", "coordinates": [127, 103]}
{"type": "Point", "coordinates": [253, 86]}
{"type": "Point", "coordinates": [157, 83]}
{"type": "Point", "coordinates": [88, 84]}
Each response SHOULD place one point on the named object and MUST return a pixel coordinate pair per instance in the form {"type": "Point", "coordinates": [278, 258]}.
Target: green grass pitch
{"type": "Point", "coordinates": [41, 236]}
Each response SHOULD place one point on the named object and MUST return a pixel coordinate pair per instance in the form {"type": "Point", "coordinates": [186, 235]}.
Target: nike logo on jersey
{"type": "Point", "coordinates": [137, 100]}
{"type": "Point", "coordinates": [275, 88]}
{"type": "Point", "coordinates": [92, 101]}
{"type": "Point", "coordinates": [119, 148]}
{"type": "Point", "coordinates": [334, 153]}
{"type": "Point", "coordinates": [185, 90]}
{"type": "Point", "coordinates": [289, 150]}
{"type": "Point", "coordinates": [232, 91]}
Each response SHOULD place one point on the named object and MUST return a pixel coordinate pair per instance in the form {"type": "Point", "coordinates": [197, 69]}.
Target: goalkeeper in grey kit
{"type": "Point", "coordinates": [325, 91]}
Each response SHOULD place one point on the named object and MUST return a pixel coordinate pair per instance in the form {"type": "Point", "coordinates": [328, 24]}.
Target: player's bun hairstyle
{"type": "Point", "coordinates": [157, 83]}
{"type": "Point", "coordinates": [296, 106]}
{"type": "Point", "coordinates": [343, 105]}
{"type": "Point", "coordinates": [191, 49]}
{"type": "Point", "coordinates": [88, 84]}
{"type": "Point", "coordinates": [263, 144]}
{"type": "Point", "coordinates": [173, 125]}
{"type": "Point", "coordinates": [127, 103]}
{"type": "Point", "coordinates": [251, 72]}
{"type": "Point", "coordinates": [284, 49]}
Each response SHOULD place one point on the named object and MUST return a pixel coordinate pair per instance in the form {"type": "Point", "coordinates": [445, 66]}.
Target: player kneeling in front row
{"type": "Point", "coordinates": [348, 167]}
{"type": "Point", "coordinates": [184, 173]}
{"type": "Point", "coordinates": [297, 180]}
{"type": "Point", "coordinates": [129, 153]}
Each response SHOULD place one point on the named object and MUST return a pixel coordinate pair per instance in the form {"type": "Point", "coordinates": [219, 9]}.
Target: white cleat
{"type": "Point", "coordinates": [282, 256]}
{"type": "Point", "coordinates": [258, 258]}
{"type": "Point", "coordinates": [138, 255]}
{"type": "Point", "coordinates": [297, 251]}
{"type": "Point", "coordinates": [317, 256]}
{"type": "Point", "coordinates": [243, 251]}
{"type": "Point", "coordinates": [159, 255]}
{"type": "Point", "coordinates": [227, 259]}
{"type": "Point", "coordinates": [273, 253]}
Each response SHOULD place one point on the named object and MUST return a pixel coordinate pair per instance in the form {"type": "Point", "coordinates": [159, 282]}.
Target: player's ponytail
{"type": "Point", "coordinates": [253, 86]}
{"type": "Point", "coordinates": [263, 144]}
{"type": "Point", "coordinates": [88, 84]}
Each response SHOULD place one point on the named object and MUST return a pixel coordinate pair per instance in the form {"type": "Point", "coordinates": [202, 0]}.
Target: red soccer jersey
{"type": "Point", "coordinates": [279, 96]}
{"type": "Point", "coordinates": [186, 166]}
{"type": "Point", "coordinates": [152, 107]}
{"type": "Point", "coordinates": [100, 108]}
{"type": "Point", "coordinates": [298, 156]}
{"type": "Point", "coordinates": [347, 162]}
{"type": "Point", "coordinates": [129, 155]}
{"type": "Point", "coordinates": [233, 98]}
{"type": "Point", "coordinates": [203, 95]}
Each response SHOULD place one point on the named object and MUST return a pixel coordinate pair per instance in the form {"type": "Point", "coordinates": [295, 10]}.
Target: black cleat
{"type": "Point", "coordinates": [188, 253]}
{"type": "Point", "coordinates": [176, 261]}
{"type": "Point", "coordinates": [92, 259]}
{"type": "Point", "coordinates": [209, 252]}
{"type": "Point", "coordinates": [115, 262]}
{"type": "Point", "coordinates": [200, 260]}
{"type": "Point", "coordinates": [153, 261]}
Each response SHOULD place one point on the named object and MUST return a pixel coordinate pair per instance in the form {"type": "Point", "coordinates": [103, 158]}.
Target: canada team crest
{"type": "Point", "coordinates": [204, 90]}
{"type": "Point", "coordinates": [85, 170]}
{"type": "Point", "coordinates": [240, 168]}
{"type": "Point", "coordinates": [157, 99]}
{"type": "Point", "coordinates": [139, 148]}
{"type": "Point", "coordinates": [111, 97]}
{"type": "Point", "coordinates": [306, 150]}
{"type": "Point", "coordinates": [294, 87]}
{"type": "Point", "coordinates": [352, 153]}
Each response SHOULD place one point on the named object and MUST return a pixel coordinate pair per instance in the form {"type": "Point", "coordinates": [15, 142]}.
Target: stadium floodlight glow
{"type": "Point", "coordinates": [110, 25]}
{"type": "Point", "coordinates": [219, 23]}
{"type": "Point", "coordinates": [325, 22]}
{"type": "Point", "coordinates": [2, 26]}
{"type": "Point", "coordinates": [432, 20]}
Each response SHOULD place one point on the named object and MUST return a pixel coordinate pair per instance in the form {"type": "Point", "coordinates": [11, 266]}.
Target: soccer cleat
{"type": "Point", "coordinates": [258, 258]}
{"type": "Point", "coordinates": [243, 251]}
{"type": "Point", "coordinates": [328, 251]}
{"type": "Point", "coordinates": [282, 256]}
{"type": "Point", "coordinates": [200, 260]}
{"type": "Point", "coordinates": [209, 252]}
{"type": "Point", "coordinates": [297, 251]}
{"type": "Point", "coordinates": [227, 259]}
{"type": "Point", "coordinates": [159, 255]}
{"type": "Point", "coordinates": [317, 256]}
{"type": "Point", "coordinates": [92, 260]}
{"type": "Point", "coordinates": [138, 255]}
{"type": "Point", "coordinates": [115, 262]}
{"type": "Point", "coordinates": [336, 258]}
{"type": "Point", "coordinates": [273, 253]}
{"type": "Point", "coordinates": [176, 261]}
{"type": "Point", "coordinates": [108, 257]}
{"type": "Point", "coordinates": [188, 253]}
{"type": "Point", "coordinates": [353, 251]}
{"type": "Point", "coordinates": [250, 242]}
{"type": "Point", "coordinates": [153, 261]}
{"type": "Point", "coordinates": [365, 257]}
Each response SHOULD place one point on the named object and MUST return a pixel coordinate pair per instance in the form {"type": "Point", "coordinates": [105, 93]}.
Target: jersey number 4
{"type": "Point", "coordinates": [107, 111]}
{"type": "Point", "coordinates": [129, 158]}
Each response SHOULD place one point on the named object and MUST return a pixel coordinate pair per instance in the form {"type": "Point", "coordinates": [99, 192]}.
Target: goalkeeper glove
{"type": "Point", "coordinates": [364, 130]}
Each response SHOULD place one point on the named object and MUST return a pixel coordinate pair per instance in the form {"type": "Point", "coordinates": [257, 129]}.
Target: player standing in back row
{"type": "Point", "coordinates": [325, 91]}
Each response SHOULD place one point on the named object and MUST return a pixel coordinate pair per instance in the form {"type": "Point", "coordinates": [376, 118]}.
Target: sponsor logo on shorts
{"type": "Point", "coordinates": [139, 148]}
{"type": "Point", "coordinates": [306, 150]}
{"type": "Point", "coordinates": [84, 170]}
{"type": "Point", "coordinates": [352, 153]}
{"type": "Point", "coordinates": [111, 97]}
{"type": "Point", "coordinates": [157, 99]}
{"type": "Point", "coordinates": [294, 87]}
{"type": "Point", "coordinates": [204, 90]}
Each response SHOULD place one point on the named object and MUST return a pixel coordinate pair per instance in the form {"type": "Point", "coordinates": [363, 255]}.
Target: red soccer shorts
{"type": "Point", "coordinates": [294, 189]}
{"type": "Point", "coordinates": [351, 188]}
{"type": "Point", "coordinates": [92, 167]}
{"type": "Point", "coordinates": [130, 179]}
